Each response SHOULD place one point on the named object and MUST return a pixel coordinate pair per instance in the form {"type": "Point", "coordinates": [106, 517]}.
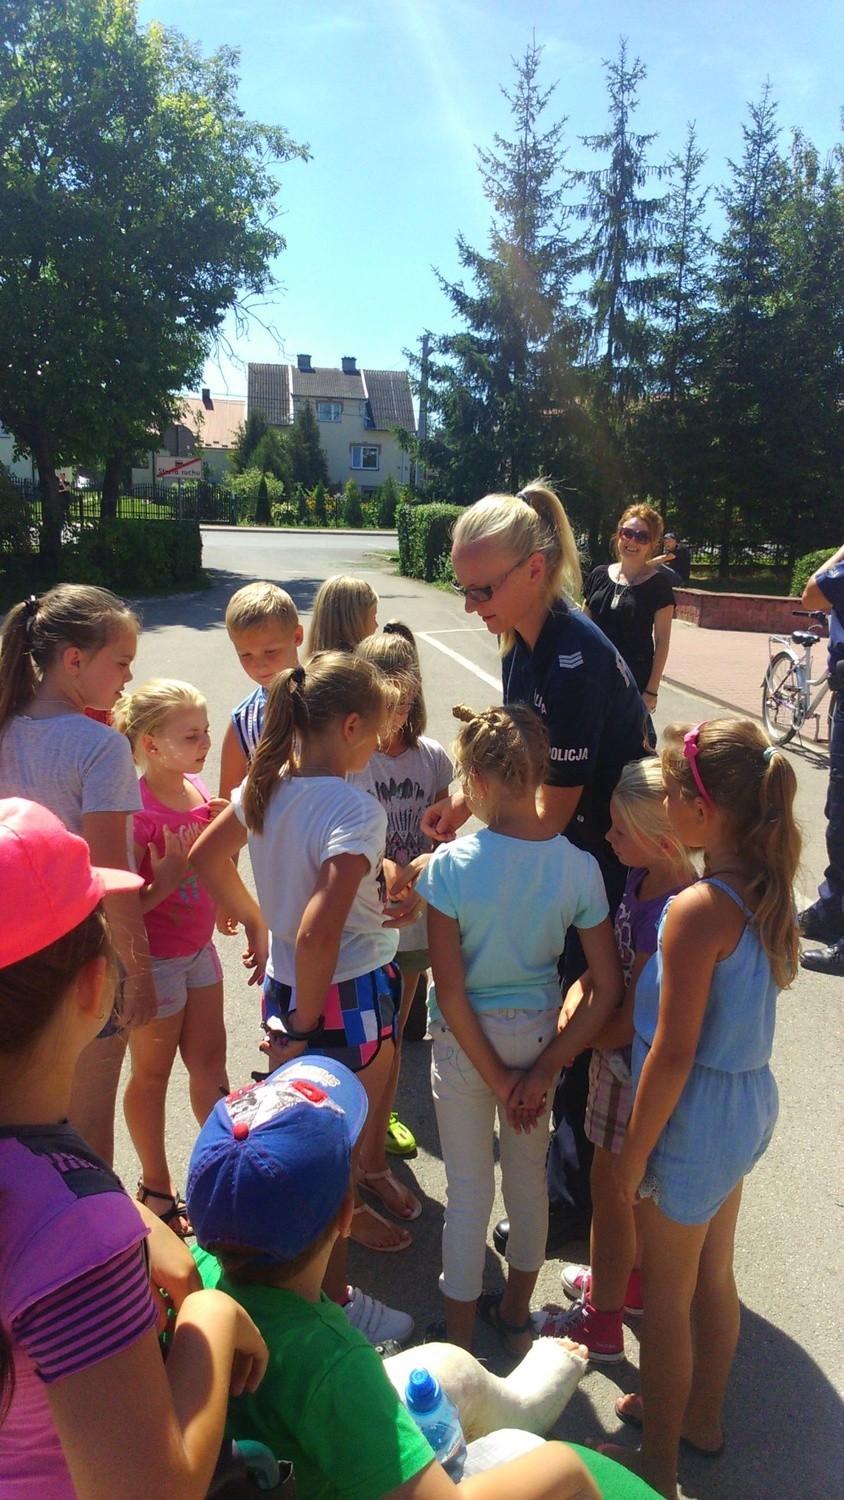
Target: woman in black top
{"type": "Point", "coordinates": [632, 600]}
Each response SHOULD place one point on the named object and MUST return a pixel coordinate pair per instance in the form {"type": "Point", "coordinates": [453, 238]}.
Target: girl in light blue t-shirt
{"type": "Point", "coordinates": [499, 905]}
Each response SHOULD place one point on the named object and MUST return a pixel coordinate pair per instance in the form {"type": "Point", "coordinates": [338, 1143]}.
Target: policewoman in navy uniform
{"type": "Point", "coordinates": [516, 565]}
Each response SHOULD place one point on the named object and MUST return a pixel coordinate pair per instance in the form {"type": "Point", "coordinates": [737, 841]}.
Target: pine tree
{"type": "Point", "coordinates": [310, 465]}
{"type": "Point", "coordinates": [501, 390]}
{"type": "Point", "coordinates": [743, 398]}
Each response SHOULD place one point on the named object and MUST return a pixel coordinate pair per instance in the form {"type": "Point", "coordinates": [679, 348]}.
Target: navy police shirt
{"type": "Point", "coordinates": [831, 584]}
{"type": "Point", "coordinates": [596, 720]}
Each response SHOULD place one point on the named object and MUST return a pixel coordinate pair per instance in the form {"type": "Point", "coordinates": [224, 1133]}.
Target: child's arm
{"type": "Point", "coordinates": [442, 819]}
{"type": "Point", "coordinates": [320, 932]}
{"type": "Point", "coordinates": [106, 834]}
{"type": "Point", "coordinates": [693, 937]}
{"type": "Point", "coordinates": [212, 857]}
{"type": "Point", "coordinates": [595, 1008]}
{"type": "Point", "coordinates": [233, 763]}
{"type": "Point", "coordinates": [233, 768]}
{"type": "Point", "coordinates": [162, 1434]}
{"type": "Point", "coordinates": [551, 1472]}
{"type": "Point", "coordinates": [618, 1031]}
{"type": "Point", "coordinates": [447, 964]}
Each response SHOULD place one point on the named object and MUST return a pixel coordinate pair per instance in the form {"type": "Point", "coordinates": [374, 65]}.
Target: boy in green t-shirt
{"type": "Point", "coordinates": [269, 1191]}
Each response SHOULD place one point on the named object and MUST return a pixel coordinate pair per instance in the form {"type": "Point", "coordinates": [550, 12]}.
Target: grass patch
{"type": "Point", "coordinates": [766, 582]}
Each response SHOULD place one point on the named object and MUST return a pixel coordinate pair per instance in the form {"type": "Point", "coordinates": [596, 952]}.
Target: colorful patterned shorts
{"type": "Point", "coordinates": [359, 1014]}
{"type": "Point", "coordinates": [609, 1105]}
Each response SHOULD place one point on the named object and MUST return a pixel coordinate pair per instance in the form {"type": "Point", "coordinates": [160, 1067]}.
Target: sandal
{"type": "Point", "coordinates": [177, 1210]}
{"type": "Point", "coordinates": [371, 1181]}
{"type": "Point", "coordinates": [488, 1307]}
{"type": "Point", "coordinates": [632, 1415]}
{"type": "Point", "coordinates": [403, 1244]}
{"type": "Point", "coordinates": [400, 1141]}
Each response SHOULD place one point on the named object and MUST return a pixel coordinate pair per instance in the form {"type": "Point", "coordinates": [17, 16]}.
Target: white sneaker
{"type": "Point", "coordinates": [375, 1320]}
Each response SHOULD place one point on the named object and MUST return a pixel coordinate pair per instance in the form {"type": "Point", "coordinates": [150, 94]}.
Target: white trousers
{"type": "Point", "coordinates": [466, 1113]}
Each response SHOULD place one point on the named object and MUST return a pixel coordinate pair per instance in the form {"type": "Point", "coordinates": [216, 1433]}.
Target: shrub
{"type": "Point", "coordinates": [352, 504]}
{"type": "Point", "coordinates": [424, 533]}
{"type": "Point", "coordinates": [263, 515]}
{"type": "Point", "coordinates": [247, 487]}
{"type": "Point", "coordinates": [17, 533]}
{"type": "Point", "coordinates": [320, 499]}
{"type": "Point", "coordinates": [804, 568]}
{"type": "Point", "coordinates": [387, 498]}
{"type": "Point", "coordinates": [137, 557]}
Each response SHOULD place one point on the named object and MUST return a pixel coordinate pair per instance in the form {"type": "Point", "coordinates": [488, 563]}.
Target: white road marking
{"type": "Point", "coordinates": [494, 682]}
{"type": "Point", "coordinates": [459, 630]}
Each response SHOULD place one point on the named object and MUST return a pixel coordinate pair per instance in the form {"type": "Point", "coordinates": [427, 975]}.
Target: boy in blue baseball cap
{"type": "Point", "coordinates": [269, 1191]}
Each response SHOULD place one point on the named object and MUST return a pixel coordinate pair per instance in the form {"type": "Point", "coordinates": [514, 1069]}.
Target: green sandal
{"type": "Point", "coordinates": [400, 1141]}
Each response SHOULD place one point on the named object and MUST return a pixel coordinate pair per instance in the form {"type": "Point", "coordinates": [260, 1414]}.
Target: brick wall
{"type": "Point", "coordinates": [736, 611]}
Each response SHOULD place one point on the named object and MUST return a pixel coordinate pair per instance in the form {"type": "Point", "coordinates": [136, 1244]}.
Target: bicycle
{"type": "Point", "coordinates": [788, 682]}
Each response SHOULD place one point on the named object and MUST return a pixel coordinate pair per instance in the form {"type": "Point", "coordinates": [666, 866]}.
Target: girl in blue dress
{"type": "Point", "coordinates": [706, 1102]}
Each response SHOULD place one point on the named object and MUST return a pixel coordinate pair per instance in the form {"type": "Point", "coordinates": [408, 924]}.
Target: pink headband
{"type": "Point", "coordinates": [691, 751]}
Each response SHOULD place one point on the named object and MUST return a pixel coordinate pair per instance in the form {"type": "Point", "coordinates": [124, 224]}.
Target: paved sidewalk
{"type": "Point", "coordinates": [726, 665]}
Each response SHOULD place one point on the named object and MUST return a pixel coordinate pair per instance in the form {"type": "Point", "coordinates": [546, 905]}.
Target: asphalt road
{"type": "Point", "coordinates": [784, 1416]}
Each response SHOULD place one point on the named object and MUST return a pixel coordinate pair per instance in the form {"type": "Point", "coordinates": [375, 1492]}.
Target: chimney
{"type": "Point", "coordinates": [206, 398]}
{"type": "Point", "coordinates": [304, 362]}
{"type": "Point", "coordinates": [349, 364]}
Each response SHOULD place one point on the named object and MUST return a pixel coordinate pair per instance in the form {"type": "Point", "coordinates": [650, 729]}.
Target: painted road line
{"type": "Point", "coordinates": [494, 682]}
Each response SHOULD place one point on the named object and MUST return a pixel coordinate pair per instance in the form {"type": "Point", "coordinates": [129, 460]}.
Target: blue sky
{"type": "Point", "coordinates": [392, 97]}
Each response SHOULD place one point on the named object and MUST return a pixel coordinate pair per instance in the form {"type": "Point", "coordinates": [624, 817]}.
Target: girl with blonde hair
{"type": "Point", "coordinates": [344, 614]}
{"type": "Point", "coordinates": [705, 1101]}
{"type": "Point", "coordinates": [632, 599]}
{"type": "Point", "coordinates": [166, 724]}
{"type": "Point", "coordinates": [495, 935]}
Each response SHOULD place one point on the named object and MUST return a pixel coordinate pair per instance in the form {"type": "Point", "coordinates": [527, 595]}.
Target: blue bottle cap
{"type": "Point", "coordinates": [423, 1390]}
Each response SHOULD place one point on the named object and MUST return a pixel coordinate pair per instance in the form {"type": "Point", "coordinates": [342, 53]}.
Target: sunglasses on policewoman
{"type": "Point", "coordinates": [630, 534]}
{"type": "Point", "coordinates": [481, 593]}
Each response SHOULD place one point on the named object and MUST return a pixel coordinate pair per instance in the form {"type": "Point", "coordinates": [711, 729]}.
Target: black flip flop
{"type": "Point", "coordinates": [634, 1420]}
{"type": "Point", "coordinates": [489, 1304]}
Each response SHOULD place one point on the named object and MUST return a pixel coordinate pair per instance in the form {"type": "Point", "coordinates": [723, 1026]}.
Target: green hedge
{"type": "Point", "coordinates": [805, 567]}
{"type": "Point", "coordinates": [137, 557]}
{"type": "Point", "coordinates": [424, 533]}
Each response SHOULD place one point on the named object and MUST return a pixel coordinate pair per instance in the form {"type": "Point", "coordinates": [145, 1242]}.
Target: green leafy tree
{"type": "Point", "coordinates": [137, 209]}
{"type": "Point", "coordinates": [501, 391]}
{"type": "Point", "coordinates": [247, 438]}
{"type": "Point", "coordinates": [307, 455]}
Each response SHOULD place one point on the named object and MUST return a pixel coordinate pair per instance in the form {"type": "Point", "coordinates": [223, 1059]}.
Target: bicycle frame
{"type": "Point", "coordinates": [803, 668]}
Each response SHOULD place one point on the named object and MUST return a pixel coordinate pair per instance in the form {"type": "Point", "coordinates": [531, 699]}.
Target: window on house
{"type": "Point", "coordinates": [329, 411]}
{"type": "Point", "coordinates": [364, 457]}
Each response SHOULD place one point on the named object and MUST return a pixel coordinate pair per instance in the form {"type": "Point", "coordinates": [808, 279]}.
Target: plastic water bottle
{"type": "Point", "coordinates": [436, 1415]}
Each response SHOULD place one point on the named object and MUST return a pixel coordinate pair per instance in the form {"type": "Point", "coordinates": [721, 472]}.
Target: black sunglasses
{"type": "Point", "coordinates": [631, 535]}
{"type": "Point", "coordinates": [481, 593]}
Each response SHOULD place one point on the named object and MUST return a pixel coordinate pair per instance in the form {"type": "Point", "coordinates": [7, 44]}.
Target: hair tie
{"type": "Point", "coordinates": [297, 676]}
{"type": "Point", "coordinates": [768, 754]}
{"type": "Point", "coordinates": [390, 629]}
{"type": "Point", "coordinates": [691, 751]}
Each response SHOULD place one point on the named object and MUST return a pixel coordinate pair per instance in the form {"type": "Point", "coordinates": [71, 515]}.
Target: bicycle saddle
{"type": "Point", "coordinates": [805, 637]}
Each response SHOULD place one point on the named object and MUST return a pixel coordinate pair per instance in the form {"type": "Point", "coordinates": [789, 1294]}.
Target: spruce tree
{"type": "Point", "coordinates": [310, 465]}
{"type": "Point", "coordinates": [501, 388]}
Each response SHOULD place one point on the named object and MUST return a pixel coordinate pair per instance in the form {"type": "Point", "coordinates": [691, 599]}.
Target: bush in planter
{"type": "Point", "coordinates": [137, 557]}
{"type": "Point", "coordinates": [805, 567]}
{"type": "Point", "coordinates": [424, 533]}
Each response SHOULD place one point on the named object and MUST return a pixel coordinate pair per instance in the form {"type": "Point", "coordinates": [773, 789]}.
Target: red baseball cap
{"type": "Point", "coordinates": [47, 882]}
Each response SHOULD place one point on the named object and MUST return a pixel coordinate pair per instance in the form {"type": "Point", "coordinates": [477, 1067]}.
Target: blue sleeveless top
{"type": "Point", "coordinates": [725, 1116]}
{"type": "Point", "coordinates": [248, 720]}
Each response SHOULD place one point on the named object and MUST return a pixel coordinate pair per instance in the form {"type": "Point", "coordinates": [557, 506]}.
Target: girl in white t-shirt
{"type": "Point", "coordinates": [499, 905]}
{"type": "Point", "coordinates": [63, 657]}
{"type": "Point", "coordinates": [316, 844]}
{"type": "Point", "coordinates": [406, 774]}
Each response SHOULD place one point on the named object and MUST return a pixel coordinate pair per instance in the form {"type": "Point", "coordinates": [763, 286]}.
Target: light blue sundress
{"type": "Point", "coordinates": [725, 1116]}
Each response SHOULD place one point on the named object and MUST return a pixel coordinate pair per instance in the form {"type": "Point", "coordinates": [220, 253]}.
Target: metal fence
{"type": "Point", "coordinates": [199, 501]}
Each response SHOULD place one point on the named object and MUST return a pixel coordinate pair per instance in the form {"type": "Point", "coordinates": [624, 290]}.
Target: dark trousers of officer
{"type": "Point", "coordinates": [831, 893]}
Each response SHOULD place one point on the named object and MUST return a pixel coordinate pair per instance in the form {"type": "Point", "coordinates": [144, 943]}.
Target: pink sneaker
{"type": "Point", "coordinates": [601, 1332]}
{"type": "Point", "coordinates": [577, 1284]}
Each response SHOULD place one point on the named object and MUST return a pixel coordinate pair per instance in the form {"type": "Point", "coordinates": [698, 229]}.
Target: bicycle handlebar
{"type": "Point", "coordinates": [812, 614]}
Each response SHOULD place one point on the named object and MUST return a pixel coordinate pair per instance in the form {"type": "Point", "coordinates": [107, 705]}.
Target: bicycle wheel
{"type": "Point", "coordinates": [782, 699]}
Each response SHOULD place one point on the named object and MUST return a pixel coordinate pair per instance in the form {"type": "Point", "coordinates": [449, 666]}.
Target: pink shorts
{"type": "Point", "coordinates": [173, 977]}
{"type": "Point", "coordinates": [609, 1104]}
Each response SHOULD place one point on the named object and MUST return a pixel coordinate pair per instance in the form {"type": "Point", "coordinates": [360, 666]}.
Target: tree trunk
{"type": "Point", "coordinates": [53, 503]}
{"type": "Point", "coordinates": [112, 475]}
